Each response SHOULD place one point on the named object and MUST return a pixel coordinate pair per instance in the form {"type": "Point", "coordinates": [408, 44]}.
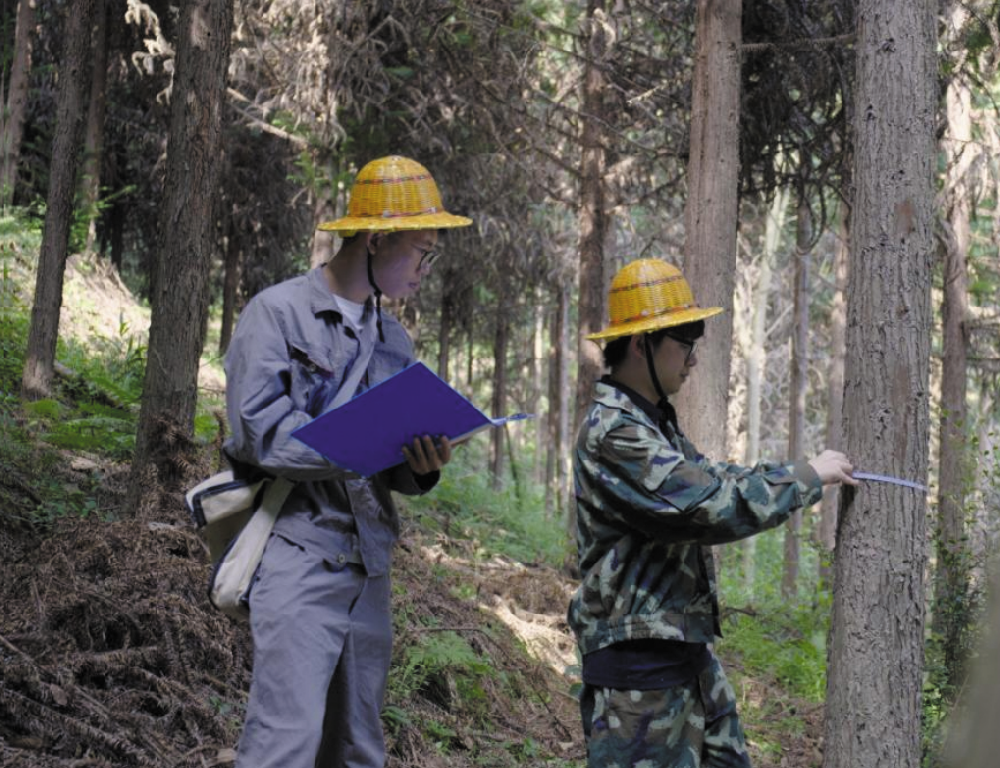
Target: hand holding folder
{"type": "Point", "coordinates": [367, 434]}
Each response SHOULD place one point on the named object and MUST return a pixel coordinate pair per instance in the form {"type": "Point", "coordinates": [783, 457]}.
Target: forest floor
{"type": "Point", "coordinates": [111, 655]}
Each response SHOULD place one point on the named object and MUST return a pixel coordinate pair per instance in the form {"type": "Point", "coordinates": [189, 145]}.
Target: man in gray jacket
{"type": "Point", "coordinates": [320, 604]}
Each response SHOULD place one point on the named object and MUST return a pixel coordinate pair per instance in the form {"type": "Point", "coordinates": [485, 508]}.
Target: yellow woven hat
{"type": "Point", "coordinates": [648, 295]}
{"type": "Point", "coordinates": [392, 194]}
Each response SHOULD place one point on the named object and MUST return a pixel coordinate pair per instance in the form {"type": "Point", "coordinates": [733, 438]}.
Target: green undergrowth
{"type": "Point", "coordinates": [94, 405]}
{"type": "Point", "coordinates": [510, 520]}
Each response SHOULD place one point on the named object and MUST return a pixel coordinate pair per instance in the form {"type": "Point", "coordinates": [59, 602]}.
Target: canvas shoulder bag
{"type": "Point", "coordinates": [235, 516]}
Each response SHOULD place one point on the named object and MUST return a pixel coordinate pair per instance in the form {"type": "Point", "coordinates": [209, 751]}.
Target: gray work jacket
{"type": "Point", "coordinates": [287, 360]}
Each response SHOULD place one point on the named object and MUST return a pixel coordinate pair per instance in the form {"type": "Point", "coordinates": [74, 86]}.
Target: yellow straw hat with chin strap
{"type": "Point", "coordinates": [392, 194]}
{"type": "Point", "coordinates": [649, 295]}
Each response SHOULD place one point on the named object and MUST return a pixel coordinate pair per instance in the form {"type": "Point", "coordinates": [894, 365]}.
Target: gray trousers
{"type": "Point", "coordinates": [322, 635]}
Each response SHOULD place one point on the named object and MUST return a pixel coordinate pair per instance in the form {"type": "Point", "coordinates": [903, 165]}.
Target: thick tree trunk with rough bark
{"type": "Point", "coordinates": [593, 217]}
{"type": "Point", "coordinates": [798, 387]}
{"type": "Point", "coordinates": [875, 667]}
{"type": "Point", "coordinates": [36, 381]}
{"type": "Point", "coordinates": [180, 295]}
{"type": "Point", "coordinates": [710, 216]}
{"type": "Point", "coordinates": [14, 111]}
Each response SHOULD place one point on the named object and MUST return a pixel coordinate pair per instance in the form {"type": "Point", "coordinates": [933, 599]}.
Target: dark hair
{"type": "Point", "coordinates": [616, 349]}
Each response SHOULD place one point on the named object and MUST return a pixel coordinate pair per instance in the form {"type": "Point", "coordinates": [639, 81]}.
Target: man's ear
{"type": "Point", "coordinates": [637, 347]}
{"type": "Point", "coordinates": [371, 241]}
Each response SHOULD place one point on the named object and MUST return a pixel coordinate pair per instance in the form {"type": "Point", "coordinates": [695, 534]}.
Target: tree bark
{"type": "Point", "coordinates": [230, 287]}
{"type": "Point", "coordinates": [36, 381]}
{"type": "Point", "coordinates": [17, 101]}
{"type": "Point", "coordinates": [593, 217]}
{"type": "Point", "coordinates": [559, 405]}
{"type": "Point", "coordinates": [537, 389]}
{"type": "Point", "coordinates": [446, 324]}
{"type": "Point", "coordinates": [835, 394]}
{"type": "Point", "coordinates": [798, 387]}
{"type": "Point", "coordinates": [875, 667]}
{"type": "Point", "coordinates": [90, 183]}
{"type": "Point", "coordinates": [950, 583]}
{"type": "Point", "coordinates": [757, 357]}
{"type": "Point", "coordinates": [180, 291]}
{"type": "Point", "coordinates": [499, 403]}
{"type": "Point", "coordinates": [710, 216]}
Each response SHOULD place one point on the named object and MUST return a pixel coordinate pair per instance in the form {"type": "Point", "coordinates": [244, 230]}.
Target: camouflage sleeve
{"type": "Point", "coordinates": [687, 501]}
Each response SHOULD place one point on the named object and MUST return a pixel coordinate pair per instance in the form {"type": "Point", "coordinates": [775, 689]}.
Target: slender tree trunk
{"type": "Point", "coordinates": [798, 387]}
{"type": "Point", "coordinates": [499, 403]}
{"type": "Point", "coordinates": [90, 184]}
{"type": "Point", "coordinates": [950, 584]}
{"type": "Point", "coordinates": [447, 323]}
{"type": "Point", "coordinates": [39, 363]}
{"type": "Point", "coordinates": [757, 358]}
{"type": "Point", "coordinates": [711, 214]}
{"type": "Point", "coordinates": [230, 287]}
{"type": "Point", "coordinates": [559, 404]}
{"type": "Point", "coordinates": [973, 738]}
{"type": "Point", "coordinates": [15, 110]}
{"type": "Point", "coordinates": [184, 252]}
{"type": "Point", "coordinates": [835, 396]}
{"type": "Point", "coordinates": [873, 711]}
{"type": "Point", "coordinates": [537, 389]}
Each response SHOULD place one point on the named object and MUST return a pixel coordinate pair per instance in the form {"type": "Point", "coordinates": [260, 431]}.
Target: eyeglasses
{"type": "Point", "coordinates": [427, 260]}
{"type": "Point", "coordinates": [687, 343]}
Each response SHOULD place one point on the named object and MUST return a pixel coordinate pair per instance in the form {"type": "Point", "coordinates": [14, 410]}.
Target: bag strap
{"type": "Point", "coordinates": [274, 497]}
{"type": "Point", "coordinates": [366, 345]}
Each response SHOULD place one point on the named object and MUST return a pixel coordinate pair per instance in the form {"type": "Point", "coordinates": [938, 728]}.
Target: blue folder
{"type": "Point", "coordinates": [366, 434]}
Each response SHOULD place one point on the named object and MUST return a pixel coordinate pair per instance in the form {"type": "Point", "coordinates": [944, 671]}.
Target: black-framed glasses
{"type": "Point", "coordinates": [689, 343]}
{"type": "Point", "coordinates": [427, 260]}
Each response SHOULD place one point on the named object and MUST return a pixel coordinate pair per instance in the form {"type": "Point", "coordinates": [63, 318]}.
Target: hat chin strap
{"type": "Point", "coordinates": [652, 369]}
{"type": "Point", "coordinates": [378, 297]}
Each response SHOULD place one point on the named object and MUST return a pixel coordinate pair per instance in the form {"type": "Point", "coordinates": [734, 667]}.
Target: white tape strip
{"type": "Point", "coordinates": [888, 479]}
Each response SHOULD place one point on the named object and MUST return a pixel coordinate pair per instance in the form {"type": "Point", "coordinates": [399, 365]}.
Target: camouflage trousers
{"type": "Point", "coordinates": [693, 725]}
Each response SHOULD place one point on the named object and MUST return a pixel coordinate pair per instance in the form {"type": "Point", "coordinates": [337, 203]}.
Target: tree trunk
{"type": "Point", "coordinates": [710, 215]}
{"type": "Point", "coordinates": [537, 388]}
{"type": "Point", "coordinates": [876, 650]}
{"type": "Point", "coordinates": [835, 396]}
{"type": "Point", "coordinates": [230, 288]}
{"type": "Point", "coordinates": [90, 184]}
{"type": "Point", "coordinates": [798, 386]}
{"type": "Point", "coordinates": [15, 110]}
{"type": "Point", "coordinates": [447, 322]}
{"type": "Point", "coordinates": [757, 357]}
{"type": "Point", "coordinates": [180, 295]}
{"type": "Point", "coordinates": [973, 738]}
{"type": "Point", "coordinates": [951, 612]}
{"type": "Point", "coordinates": [559, 405]}
{"type": "Point", "coordinates": [499, 403]}
{"type": "Point", "coordinates": [39, 362]}
{"type": "Point", "coordinates": [593, 216]}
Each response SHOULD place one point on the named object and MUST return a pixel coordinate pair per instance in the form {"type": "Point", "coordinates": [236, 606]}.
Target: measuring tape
{"type": "Point", "coordinates": [888, 479]}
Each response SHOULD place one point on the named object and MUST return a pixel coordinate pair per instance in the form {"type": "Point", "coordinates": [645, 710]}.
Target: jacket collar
{"type": "Point", "coordinates": [610, 392]}
{"type": "Point", "coordinates": [322, 299]}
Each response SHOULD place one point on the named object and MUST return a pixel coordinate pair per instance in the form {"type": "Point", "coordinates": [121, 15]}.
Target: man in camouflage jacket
{"type": "Point", "coordinates": [649, 506]}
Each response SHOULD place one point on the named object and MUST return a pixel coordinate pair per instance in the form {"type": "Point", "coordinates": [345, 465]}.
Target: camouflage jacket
{"type": "Point", "coordinates": [648, 504]}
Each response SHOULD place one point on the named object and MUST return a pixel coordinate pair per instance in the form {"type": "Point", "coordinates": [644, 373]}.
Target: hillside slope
{"type": "Point", "coordinates": [110, 654]}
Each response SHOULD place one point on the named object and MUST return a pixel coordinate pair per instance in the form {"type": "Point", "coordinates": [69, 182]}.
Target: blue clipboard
{"type": "Point", "coordinates": [367, 434]}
